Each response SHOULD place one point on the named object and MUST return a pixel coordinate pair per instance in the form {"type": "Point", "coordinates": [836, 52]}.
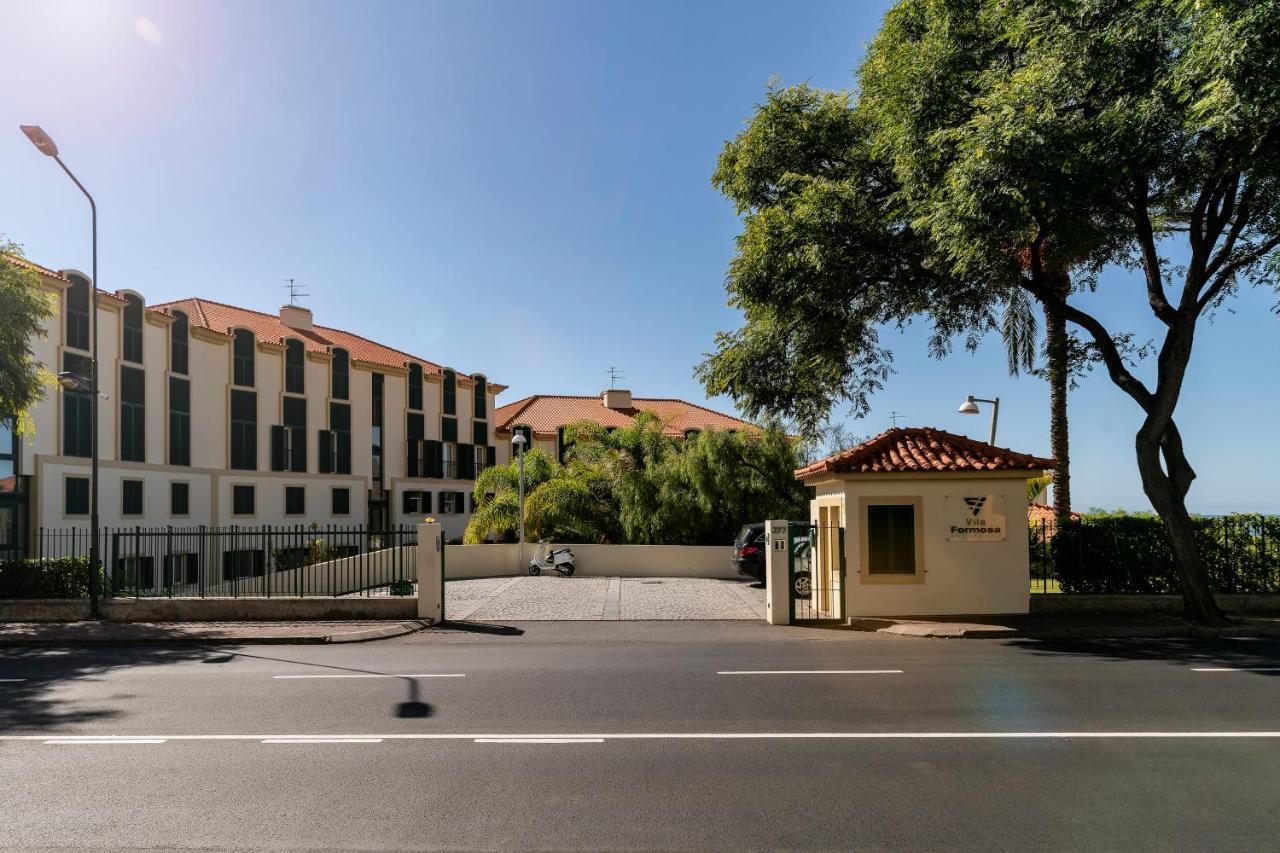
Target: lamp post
{"type": "Point", "coordinates": [970, 407]}
{"type": "Point", "coordinates": [518, 442]}
{"type": "Point", "coordinates": [45, 145]}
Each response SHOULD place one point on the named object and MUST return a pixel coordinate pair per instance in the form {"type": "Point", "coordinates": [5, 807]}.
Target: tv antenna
{"type": "Point", "coordinates": [614, 375]}
{"type": "Point", "coordinates": [295, 291]}
{"type": "Point", "coordinates": [893, 416]}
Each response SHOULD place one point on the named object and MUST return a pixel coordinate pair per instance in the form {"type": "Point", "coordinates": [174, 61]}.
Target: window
{"type": "Point", "coordinates": [78, 313]}
{"type": "Point", "coordinates": [416, 503]}
{"type": "Point", "coordinates": [479, 432]}
{"type": "Point", "coordinates": [415, 431]}
{"type": "Point", "coordinates": [691, 434]}
{"type": "Point", "coordinates": [77, 410]}
{"type": "Point", "coordinates": [131, 497]}
{"type": "Point", "coordinates": [481, 454]}
{"type": "Point", "coordinates": [295, 370]}
{"type": "Point", "coordinates": [415, 387]}
{"type": "Point", "coordinates": [133, 415]}
{"type": "Point", "coordinates": [132, 342]}
{"type": "Point", "coordinates": [376, 416]}
{"type": "Point", "coordinates": [242, 358]}
{"type": "Point", "coordinates": [340, 428]}
{"type": "Point", "coordinates": [890, 537]}
{"type": "Point", "coordinates": [450, 401]}
{"type": "Point", "coordinates": [179, 333]}
{"type": "Point", "coordinates": [8, 457]}
{"type": "Point", "coordinates": [448, 460]}
{"type": "Point", "coordinates": [562, 445]}
{"type": "Point", "coordinates": [451, 503]}
{"type": "Point", "coordinates": [527, 432]}
{"type": "Point", "coordinates": [289, 440]}
{"type": "Point", "coordinates": [340, 388]}
{"type": "Point", "coordinates": [179, 499]}
{"type": "Point", "coordinates": [179, 421]}
{"type": "Point", "coordinates": [448, 429]}
{"type": "Point", "coordinates": [242, 500]}
{"type": "Point", "coordinates": [340, 501]}
{"type": "Point", "coordinates": [75, 496]}
{"type": "Point", "coordinates": [478, 397]}
{"type": "Point", "coordinates": [295, 500]}
{"type": "Point", "coordinates": [244, 430]}
{"type": "Point", "coordinates": [243, 563]}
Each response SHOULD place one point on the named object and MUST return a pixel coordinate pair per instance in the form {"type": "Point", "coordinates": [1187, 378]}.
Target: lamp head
{"type": "Point", "coordinates": [40, 139]}
{"type": "Point", "coordinates": [968, 407]}
{"type": "Point", "coordinates": [73, 381]}
{"type": "Point", "coordinates": [518, 440]}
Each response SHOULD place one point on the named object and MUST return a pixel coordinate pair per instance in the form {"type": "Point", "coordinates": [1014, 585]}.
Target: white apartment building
{"type": "Point", "coordinates": [217, 415]}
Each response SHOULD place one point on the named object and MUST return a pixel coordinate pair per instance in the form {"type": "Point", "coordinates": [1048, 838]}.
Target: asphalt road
{"type": "Point", "coordinates": [643, 735]}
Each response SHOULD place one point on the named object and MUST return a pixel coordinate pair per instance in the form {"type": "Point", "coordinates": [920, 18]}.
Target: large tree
{"type": "Point", "coordinates": [24, 306]}
{"type": "Point", "coordinates": [1026, 137]}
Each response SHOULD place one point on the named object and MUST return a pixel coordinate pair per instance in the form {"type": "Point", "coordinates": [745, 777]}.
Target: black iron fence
{"type": "Point", "coordinates": [1130, 554]}
{"type": "Point", "coordinates": [217, 562]}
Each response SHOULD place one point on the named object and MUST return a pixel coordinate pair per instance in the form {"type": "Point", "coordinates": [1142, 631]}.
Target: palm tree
{"type": "Point", "coordinates": [561, 502]}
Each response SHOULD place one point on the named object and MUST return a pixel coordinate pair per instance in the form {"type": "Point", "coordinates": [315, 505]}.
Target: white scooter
{"type": "Point", "coordinates": [560, 559]}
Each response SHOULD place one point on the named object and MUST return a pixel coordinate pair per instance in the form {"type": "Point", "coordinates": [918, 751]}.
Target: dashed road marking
{"type": "Point", "coordinates": [381, 675]}
{"type": "Point", "coordinates": [1235, 669]}
{"type": "Point", "coordinates": [321, 740]}
{"type": "Point", "coordinates": [810, 672]}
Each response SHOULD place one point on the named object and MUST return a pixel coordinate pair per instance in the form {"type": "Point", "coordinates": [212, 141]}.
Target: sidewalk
{"type": "Point", "coordinates": [199, 633]}
{"type": "Point", "coordinates": [1082, 626]}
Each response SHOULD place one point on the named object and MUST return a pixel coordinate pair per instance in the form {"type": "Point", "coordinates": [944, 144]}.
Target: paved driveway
{"type": "Point", "coordinates": [547, 598]}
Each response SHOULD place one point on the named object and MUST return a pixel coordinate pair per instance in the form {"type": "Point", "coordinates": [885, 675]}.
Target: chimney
{"type": "Point", "coordinates": [616, 399]}
{"type": "Point", "coordinates": [296, 317]}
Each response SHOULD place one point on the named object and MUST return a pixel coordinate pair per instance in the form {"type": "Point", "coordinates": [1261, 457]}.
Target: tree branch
{"type": "Point", "coordinates": [1150, 259]}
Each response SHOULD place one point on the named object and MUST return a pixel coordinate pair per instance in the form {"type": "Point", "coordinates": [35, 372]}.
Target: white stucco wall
{"type": "Point", "coordinates": [959, 578]}
{"type": "Point", "coordinates": [628, 561]}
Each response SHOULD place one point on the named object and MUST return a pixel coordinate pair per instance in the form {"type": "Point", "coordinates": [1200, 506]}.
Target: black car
{"type": "Point", "coordinates": [748, 551]}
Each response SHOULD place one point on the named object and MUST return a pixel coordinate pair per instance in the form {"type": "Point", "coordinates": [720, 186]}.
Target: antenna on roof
{"type": "Point", "coordinates": [614, 375]}
{"type": "Point", "coordinates": [295, 291]}
{"type": "Point", "coordinates": [893, 416]}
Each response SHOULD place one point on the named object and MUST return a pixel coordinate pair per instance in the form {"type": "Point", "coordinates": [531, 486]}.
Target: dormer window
{"type": "Point", "coordinates": [295, 373]}
{"type": "Point", "coordinates": [132, 344]}
{"type": "Point", "coordinates": [450, 401]}
{"type": "Point", "coordinates": [415, 387]}
{"type": "Point", "coordinates": [179, 335]}
{"type": "Point", "coordinates": [78, 313]}
{"type": "Point", "coordinates": [341, 375]}
{"type": "Point", "coordinates": [242, 349]}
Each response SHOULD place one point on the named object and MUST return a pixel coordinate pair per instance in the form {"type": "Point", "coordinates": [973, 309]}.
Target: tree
{"type": "Point", "coordinates": [24, 306]}
{"type": "Point", "coordinates": [1019, 139]}
{"type": "Point", "coordinates": [561, 503]}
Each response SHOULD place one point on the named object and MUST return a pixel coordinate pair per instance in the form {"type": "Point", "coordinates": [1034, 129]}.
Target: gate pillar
{"type": "Point", "coordinates": [777, 572]}
{"type": "Point", "coordinates": [431, 572]}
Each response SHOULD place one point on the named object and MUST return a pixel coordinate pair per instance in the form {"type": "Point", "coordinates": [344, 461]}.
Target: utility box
{"type": "Point", "coordinates": [431, 572]}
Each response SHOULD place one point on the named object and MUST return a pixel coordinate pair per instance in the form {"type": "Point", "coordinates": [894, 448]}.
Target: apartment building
{"type": "Point", "coordinates": [211, 414]}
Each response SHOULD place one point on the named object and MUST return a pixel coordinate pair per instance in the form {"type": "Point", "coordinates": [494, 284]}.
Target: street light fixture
{"type": "Point", "coordinates": [970, 407]}
{"type": "Point", "coordinates": [518, 442]}
{"type": "Point", "coordinates": [46, 146]}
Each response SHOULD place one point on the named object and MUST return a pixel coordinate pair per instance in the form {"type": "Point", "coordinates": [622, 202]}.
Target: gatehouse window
{"type": "Point", "coordinates": [892, 539]}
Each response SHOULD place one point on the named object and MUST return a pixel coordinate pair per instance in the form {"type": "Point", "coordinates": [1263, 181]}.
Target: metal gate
{"type": "Point", "coordinates": [816, 576]}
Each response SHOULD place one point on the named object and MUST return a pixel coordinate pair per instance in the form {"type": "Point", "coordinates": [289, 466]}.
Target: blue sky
{"type": "Point", "coordinates": [520, 189]}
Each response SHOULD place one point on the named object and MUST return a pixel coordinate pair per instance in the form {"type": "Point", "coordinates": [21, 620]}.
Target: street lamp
{"type": "Point", "coordinates": [970, 407]}
{"type": "Point", "coordinates": [46, 146]}
{"type": "Point", "coordinates": [518, 442]}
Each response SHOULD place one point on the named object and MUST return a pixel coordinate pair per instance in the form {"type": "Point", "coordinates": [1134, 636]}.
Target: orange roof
{"type": "Point", "coordinates": [546, 413]}
{"type": "Point", "coordinates": [23, 262]}
{"type": "Point", "coordinates": [1043, 513]}
{"type": "Point", "coordinates": [912, 449]}
{"type": "Point", "coordinates": [221, 318]}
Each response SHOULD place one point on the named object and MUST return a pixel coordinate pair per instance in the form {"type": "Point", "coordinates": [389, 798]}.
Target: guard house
{"type": "Point", "coordinates": [933, 524]}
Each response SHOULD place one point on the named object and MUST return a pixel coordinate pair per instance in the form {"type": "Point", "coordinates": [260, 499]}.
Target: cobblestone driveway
{"type": "Point", "coordinates": [549, 598]}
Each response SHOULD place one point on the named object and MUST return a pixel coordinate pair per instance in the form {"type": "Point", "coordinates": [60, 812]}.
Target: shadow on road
{"type": "Point", "coordinates": [1257, 656]}
{"type": "Point", "coordinates": [38, 701]}
{"type": "Point", "coordinates": [482, 628]}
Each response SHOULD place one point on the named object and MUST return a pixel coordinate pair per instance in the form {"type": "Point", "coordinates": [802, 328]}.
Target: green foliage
{"type": "Point", "coordinates": [24, 306]}
{"type": "Point", "coordinates": [64, 577]}
{"type": "Point", "coordinates": [1129, 553]}
{"type": "Point", "coordinates": [315, 551]}
{"type": "Point", "coordinates": [637, 485]}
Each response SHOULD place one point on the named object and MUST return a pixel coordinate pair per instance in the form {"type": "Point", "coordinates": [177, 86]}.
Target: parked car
{"type": "Point", "coordinates": [748, 551]}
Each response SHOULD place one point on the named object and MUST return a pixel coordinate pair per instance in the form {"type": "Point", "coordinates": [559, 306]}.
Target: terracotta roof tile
{"type": "Point", "coordinates": [1043, 514]}
{"type": "Point", "coordinates": [909, 449]}
{"type": "Point", "coordinates": [222, 318]}
{"type": "Point", "coordinates": [26, 264]}
{"type": "Point", "coordinates": [546, 413]}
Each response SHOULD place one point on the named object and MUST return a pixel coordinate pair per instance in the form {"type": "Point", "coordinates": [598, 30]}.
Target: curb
{"type": "Point", "coordinates": [368, 635]}
{"type": "Point", "coordinates": [967, 631]}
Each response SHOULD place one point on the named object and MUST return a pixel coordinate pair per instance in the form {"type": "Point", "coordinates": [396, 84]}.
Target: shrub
{"type": "Point", "coordinates": [63, 577]}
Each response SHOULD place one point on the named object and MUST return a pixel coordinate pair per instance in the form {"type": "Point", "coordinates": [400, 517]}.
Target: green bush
{"type": "Point", "coordinates": [1129, 553]}
{"type": "Point", "coordinates": [64, 577]}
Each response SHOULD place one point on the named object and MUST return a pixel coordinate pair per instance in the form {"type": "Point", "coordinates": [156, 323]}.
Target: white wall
{"type": "Point", "coordinates": [959, 577]}
{"type": "Point", "coordinates": [628, 561]}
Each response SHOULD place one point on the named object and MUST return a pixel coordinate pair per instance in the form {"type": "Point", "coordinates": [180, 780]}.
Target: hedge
{"type": "Point", "coordinates": [62, 577]}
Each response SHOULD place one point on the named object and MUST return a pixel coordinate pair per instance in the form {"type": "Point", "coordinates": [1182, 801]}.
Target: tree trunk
{"type": "Point", "coordinates": [1169, 499]}
{"type": "Point", "coordinates": [1055, 327]}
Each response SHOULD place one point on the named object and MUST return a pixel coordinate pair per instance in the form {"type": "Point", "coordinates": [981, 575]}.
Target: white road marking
{"type": "Point", "coordinates": [66, 741]}
{"type": "Point", "coordinates": [634, 736]}
{"type": "Point", "coordinates": [1235, 669]}
{"type": "Point", "coordinates": [810, 672]}
{"type": "Point", "coordinates": [381, 675]}
{"type": "Point", "coordinates": [11, 680]}
{"type": "Point", "coordinates": [539, 740]}
{"type": "Point", "coordinates": [321, 740]}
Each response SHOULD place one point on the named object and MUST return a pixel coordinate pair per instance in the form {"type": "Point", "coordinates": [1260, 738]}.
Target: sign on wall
{"type": "Point", "coordinates": [975, 518]}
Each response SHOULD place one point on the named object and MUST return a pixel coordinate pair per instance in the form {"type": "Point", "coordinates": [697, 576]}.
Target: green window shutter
{"type": "Point", "coordinates": [326, 451]}
{"type": "Point", "coordinates": [491, 456]}
{"type": "Point", "coordinates": [277, 448]}
{"type": "Point", "coordinates": [479, 432]}
{"type": "Point", "coordinates": [426, 502]}
{"type": "Point", "coordinates": [435, 459]}
{"type": "Point", "coordinates": [448, 429]}
{"type": "Point", "coordinates": [466, 462]}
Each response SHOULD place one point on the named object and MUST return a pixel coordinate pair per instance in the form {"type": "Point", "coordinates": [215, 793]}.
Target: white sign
{"type": "Point", "coordinates": [975, 518]}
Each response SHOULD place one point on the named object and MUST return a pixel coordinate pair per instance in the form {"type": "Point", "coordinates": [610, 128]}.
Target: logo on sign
{"type": "Point", "coordinates": [976, 504]}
